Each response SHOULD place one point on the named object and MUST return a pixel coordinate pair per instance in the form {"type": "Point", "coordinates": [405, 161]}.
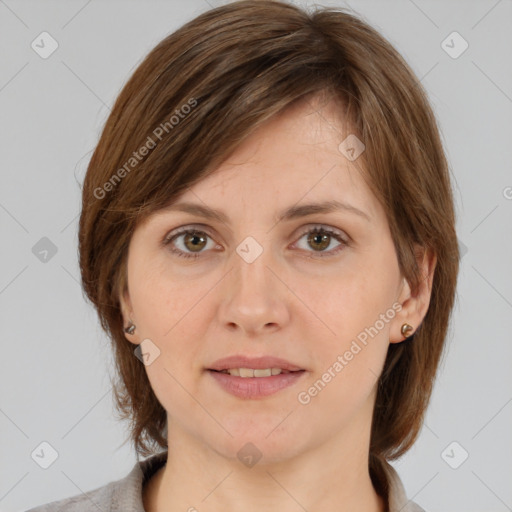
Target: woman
{"type": "Point", "coordinates": [268, 235]}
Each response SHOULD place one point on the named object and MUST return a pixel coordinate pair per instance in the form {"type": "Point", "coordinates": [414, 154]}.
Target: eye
{"type": "Point", "coordinates": [319, 238]}
{"type": "Point", "coordinates": [191, 240]}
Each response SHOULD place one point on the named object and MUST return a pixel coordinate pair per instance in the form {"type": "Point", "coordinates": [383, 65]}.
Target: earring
{"type": "Point", "coordinates": [405, 329]}
{"type": "Point", "coordinates": [130, 329]}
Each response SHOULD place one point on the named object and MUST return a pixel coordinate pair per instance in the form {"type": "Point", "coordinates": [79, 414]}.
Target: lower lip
{"type": "Point", "coordinates": [255, 387]}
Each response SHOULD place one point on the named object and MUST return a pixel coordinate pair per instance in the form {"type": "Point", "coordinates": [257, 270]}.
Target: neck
{"type": "Point", "coordinates": [331, 476]}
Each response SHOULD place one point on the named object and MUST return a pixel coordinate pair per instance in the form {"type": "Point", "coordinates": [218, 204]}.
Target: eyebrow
{"type": "Point", "coordinates": [294, 212]}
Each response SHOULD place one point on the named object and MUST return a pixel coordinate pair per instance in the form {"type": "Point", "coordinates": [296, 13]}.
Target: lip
{"type": "Point", "coordinates": [255, 387]}
{"type": "Point", "coordinates": [257, 363]}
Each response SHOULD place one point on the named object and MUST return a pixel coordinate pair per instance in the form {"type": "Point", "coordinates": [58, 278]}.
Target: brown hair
{"type": "Point", "coordinates": [195, 97]}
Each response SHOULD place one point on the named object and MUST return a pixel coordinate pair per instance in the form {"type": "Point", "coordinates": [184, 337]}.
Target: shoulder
{"type": "Point", "coordinates": [100, 497]}
{"type": "Point", "coordinates": [123, 495]}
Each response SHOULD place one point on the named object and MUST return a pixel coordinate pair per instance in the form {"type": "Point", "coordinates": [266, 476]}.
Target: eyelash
{"type": "Point", "coordinates": [317, 229]}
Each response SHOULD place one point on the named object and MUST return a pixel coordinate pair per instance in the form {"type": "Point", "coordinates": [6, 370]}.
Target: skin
{"type": "Point", "coordinates": [291, 303]}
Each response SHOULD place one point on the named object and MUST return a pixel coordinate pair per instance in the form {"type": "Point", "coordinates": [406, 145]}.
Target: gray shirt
{"type": "Point", "coordinates": [125, 495]}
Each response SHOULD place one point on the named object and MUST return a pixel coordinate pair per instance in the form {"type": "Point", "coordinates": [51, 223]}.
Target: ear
{"type": "Point", "coordinates": [414, 306]}
{"type": "Point", "coordinates": [127, 314]}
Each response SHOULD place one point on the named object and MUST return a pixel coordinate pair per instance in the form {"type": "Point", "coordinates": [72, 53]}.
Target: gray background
{"type": "Point", "coordinates": [56, 360]}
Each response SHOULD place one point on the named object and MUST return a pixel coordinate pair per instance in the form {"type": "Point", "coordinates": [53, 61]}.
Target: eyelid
{"type": "Point", "coordinates": [184, 229]}
{"type": "Point", "coordinates": [327, 228]}
{"type": "Point", "coordinates": [204, 228]}
{"type": "Point", "coordinates": [341, 236]}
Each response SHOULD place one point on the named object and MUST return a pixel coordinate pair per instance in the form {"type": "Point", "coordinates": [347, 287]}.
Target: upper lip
{"type": "Point", "coordinates": [256, 363]}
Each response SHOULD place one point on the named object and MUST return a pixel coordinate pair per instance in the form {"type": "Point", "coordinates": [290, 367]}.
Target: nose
{"type": "Point", "coordinates": [255, 299]}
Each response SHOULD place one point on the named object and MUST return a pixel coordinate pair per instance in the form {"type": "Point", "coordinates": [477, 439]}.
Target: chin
{"type": "Point", "coordinates": [257, 444]}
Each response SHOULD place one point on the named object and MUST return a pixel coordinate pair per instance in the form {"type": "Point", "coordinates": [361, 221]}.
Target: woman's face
{"type": "Point", "coordinates": [255, 282]}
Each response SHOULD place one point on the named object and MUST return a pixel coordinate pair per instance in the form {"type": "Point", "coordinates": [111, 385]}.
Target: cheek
{"type": "Point", "coordinates": [173, 312]}
{"type": "Point", "coordinates": [350, 300]}
{"type": "Point", "coordinates": [349, 354]}
{"type": "Point", "coordinates": [353, 310]}
{"type": "Point", "coordinates": [158, 296]}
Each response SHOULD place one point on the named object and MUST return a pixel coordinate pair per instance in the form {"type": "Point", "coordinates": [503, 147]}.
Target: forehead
{"type": "Point", "coordinates": [293, 158]}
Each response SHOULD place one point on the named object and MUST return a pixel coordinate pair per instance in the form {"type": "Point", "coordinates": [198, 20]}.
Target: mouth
{"type": "Point", "coordinates": [254, 366]}
{"type": "Point", "coordinates": [245, 373]}
{"type": "Point", "coordinates": [255, 383]}
{"type": "Point", "coordinates": [252, 378]}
